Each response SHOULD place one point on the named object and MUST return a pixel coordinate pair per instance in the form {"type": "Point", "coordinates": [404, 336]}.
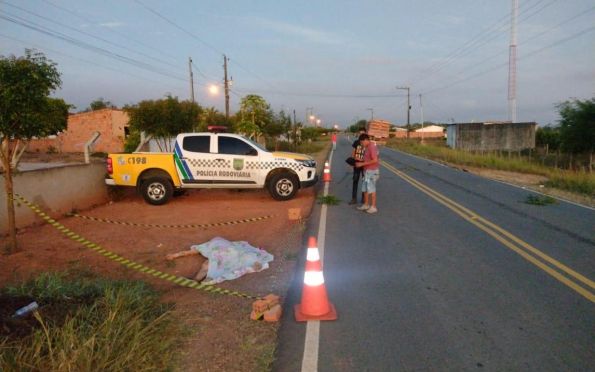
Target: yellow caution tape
{"type": "Point", "coordinates": [179, 280]}
{"type": "Point", "coordinates": [183, 226]}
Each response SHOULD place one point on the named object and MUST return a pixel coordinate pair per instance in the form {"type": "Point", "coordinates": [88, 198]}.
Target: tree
{"type": "Point", "coordinates": [26, 110]}
{"type": "Point", "coordinates": [212, 116]}
{"type": "Point", "coordinates": [255, 115]}
{"type": "Point", "coordinates": [577, 127]}
{"type": "Point", "coordinates": [360, 124]}
{"type": "Point", "coordinates": [99, 104]}
{"type": "Point", "coordinates": [548, 137]}
{"type": "Point", "coordinates": [164, 118]}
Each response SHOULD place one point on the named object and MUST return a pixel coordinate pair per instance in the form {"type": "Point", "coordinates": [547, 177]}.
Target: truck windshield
{"type": "Point", "coordinates": [257, 145]}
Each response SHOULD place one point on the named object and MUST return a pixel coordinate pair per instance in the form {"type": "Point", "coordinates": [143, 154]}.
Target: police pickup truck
{"type": "Point", "coordinates": [211, 160]}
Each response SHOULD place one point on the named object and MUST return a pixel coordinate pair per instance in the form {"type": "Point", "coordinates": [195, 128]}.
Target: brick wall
{"type": "Point", "coordinates": [111, 123]}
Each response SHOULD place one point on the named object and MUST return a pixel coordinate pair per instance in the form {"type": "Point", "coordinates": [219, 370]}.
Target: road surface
{"type": "Point", "coordinates": [454, 273]}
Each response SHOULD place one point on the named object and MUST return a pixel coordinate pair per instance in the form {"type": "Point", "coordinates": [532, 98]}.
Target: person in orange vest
{"type": "Point", "coordinates": [334, 140]}
{"type": "Point", "coordinates": [371, 165]}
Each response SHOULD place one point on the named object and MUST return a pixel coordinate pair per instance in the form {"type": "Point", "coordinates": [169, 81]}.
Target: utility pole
{"type": "Point", "coordinates": [421, 112]}
{"type": "Point", "coordinates": [371, 113]}
{"type": "Point", "coordinates": [294, 131]}
{"type": "Point", "coordinates": [226, 85]}
{"type": "Point", "coordinates": [512, 111]}
{"type": "Point", "coordinates": [191, 79]}
{"type": "Point", "coordinates": [408, 108]}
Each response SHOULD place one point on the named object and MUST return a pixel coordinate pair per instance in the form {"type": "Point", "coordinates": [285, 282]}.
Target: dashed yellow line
{"type": "Point", "coordinates": [553, 267]}
{"type": "Point", "coordinates": [126, 262]}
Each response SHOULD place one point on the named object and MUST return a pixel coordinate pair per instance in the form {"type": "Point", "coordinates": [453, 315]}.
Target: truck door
{"type": "Point", "coordinates": [236, 155]}
{"type": "Point", "coordinates": [195, 162]}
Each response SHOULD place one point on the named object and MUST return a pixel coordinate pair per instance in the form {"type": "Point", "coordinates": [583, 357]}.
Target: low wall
{"type": "Point", "coordinates": [401, 134]}
{"type": "Point", "coordinates": [56, 190]}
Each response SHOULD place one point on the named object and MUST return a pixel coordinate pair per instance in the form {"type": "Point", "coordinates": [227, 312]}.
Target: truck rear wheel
{"type": "Point", "coordinates": [157, 190]}
{"type": "Point", "coordinates": [283, 186]}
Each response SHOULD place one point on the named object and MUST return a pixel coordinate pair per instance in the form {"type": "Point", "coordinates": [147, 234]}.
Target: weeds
{"type": "Point", "coordinates": [580, 182]}
{"type": "Point", "coordinates": [540, 200]}
{"type": "Point", "coordinates": [90, 324]}
{"type": "Point", "coordinates": [328, 200]}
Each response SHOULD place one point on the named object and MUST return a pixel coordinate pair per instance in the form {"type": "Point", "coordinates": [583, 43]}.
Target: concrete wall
{"type": "Point", "coordinates": [56, 190]}
{"type": "Point", "coordinates": [111, 123]}
{"type": "Point", "coordinates": [403, 134]}
{"type": "Point", "coordinates": [492, 137]}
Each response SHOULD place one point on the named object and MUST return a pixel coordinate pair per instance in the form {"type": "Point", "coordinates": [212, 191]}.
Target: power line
{"type": "Point", "coordinates": [90, 35]}
{"type": "Point", "coordinates": [322, 95]}
{"type": "Point", "coordinates": [479, 41]}
{"type": "Point", "coordinates": [81, 59]}
{"type": "Point", "coordinates": [573, 36]}
{"type": "Point", "coordinates": [474, 65]}
{"type": "Point", "coordinates": [125, 36]}
{"type": "Point", "coordinates": [208, 45]}
{"type": "Point", "coordinates": [81, 44]}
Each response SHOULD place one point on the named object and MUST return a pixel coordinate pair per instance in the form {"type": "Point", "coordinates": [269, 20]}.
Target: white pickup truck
{"type": "Point", "coordinates": [211, 160]}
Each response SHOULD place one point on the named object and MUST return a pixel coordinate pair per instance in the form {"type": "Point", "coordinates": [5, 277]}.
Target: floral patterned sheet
{"type": "Point", "coordinates": [230, 260]}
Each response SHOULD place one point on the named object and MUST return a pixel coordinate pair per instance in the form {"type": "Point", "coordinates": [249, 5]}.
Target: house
{"type": "Point", "coordinates": [112, 124]}
{"type": "Point", "coordinates": [431, 131]}
{"type": "Point", "coordinates": [491, 136]}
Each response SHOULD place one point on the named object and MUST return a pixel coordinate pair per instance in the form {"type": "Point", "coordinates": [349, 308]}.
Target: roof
{"type": "Point", "coordinates": [431, 128]}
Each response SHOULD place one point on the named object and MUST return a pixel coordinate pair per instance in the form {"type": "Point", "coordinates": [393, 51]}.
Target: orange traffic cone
{"type": "Point", "coordinates": [315, 304]}
{"type": "Point", "coordinates": [326, 176]}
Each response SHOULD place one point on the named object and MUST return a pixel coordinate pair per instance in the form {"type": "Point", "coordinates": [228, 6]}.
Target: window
{"type": "Point", "coordinates": [197, 144]}
{"type": "Point", "coordinates": [235, 146]}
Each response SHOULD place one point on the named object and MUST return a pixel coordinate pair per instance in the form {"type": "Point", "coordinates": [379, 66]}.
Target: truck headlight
{"type": "Point", "coordinates": [307, 163]}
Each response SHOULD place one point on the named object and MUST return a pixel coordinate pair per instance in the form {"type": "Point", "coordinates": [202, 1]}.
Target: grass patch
{"type": "Point", "coordinates": [328, 200]}
{"type": "Point", "coordinates": [540, 200]}
{"type": "Point", "coordinates": [310, 148]}
{"type": "Point", "coordinates": [579, 182]}
{"type": "Point", "coordinates": [86, 324]}
{"type": "Point", "coordinates": [290, 256]}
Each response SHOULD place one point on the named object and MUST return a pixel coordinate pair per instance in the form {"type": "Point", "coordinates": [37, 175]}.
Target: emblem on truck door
{"type": "Point", "coordinates": [238, 164]}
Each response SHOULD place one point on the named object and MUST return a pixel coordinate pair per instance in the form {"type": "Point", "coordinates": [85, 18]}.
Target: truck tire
{"type": "Point", "coordinates": [157, 190]}
{"type": "Point", "coordinates": [283, 186]}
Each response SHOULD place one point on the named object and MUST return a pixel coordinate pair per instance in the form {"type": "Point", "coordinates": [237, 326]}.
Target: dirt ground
{"type": "Point", "coordinates": [221, 336]}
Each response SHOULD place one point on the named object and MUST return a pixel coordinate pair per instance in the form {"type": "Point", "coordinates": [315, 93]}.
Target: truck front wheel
{"type": "Point", "coordinates": [283, 186]}
{"type": "Point", "coordinates": [157, 190]}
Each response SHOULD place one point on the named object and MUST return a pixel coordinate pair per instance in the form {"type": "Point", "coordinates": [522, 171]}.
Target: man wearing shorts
{"type": "Point", "coordinates": [371, 167]}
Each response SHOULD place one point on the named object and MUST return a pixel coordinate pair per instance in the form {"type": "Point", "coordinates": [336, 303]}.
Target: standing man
{"type": "Point", "coordinates": [334, 140]}
{"type": "Point", "coordinates": [371, 166]}
{"type": "Point", "coordinates": [358, 155]}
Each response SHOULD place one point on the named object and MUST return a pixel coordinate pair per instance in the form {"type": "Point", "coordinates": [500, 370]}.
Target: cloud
{"type": "Point", "coordinates": [453, 20]}
{"type": "Point", "coordinates": [309, 34]}
{"type": "Point", "coordinates": [113, 24]}
{"type": "Point", "coordinates": [379, 60]}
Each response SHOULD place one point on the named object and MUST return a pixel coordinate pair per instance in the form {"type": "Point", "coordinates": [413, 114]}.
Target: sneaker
{"type": "Point", "coordinates": [352, 202]}
{"type": "Point", "coordinates": [363, 207]}
{"type": "Point", "coordinates": [371, 210]}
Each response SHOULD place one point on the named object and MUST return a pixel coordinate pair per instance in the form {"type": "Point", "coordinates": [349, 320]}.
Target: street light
{"type": "Point", "coordinates": [309, 115]}
{"type": "Point", "coordinates": [318, 121]}
{"type": "Point", "coordinates": [372, 113]}
{"type": "Point", "coordinates": [408, 107]}
{"type": "Point", "coordinates": [213, 89]}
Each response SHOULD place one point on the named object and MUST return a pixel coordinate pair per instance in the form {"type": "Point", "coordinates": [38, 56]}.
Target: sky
{"type": "Point", "coordinates": [343, 60]}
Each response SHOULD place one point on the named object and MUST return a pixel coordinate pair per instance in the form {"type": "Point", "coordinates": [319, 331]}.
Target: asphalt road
{"type": "Point", "coordinates": [454, 273]}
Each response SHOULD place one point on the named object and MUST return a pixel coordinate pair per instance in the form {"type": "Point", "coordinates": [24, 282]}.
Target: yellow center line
{"type": "Point", "coordinates": [524, 249]}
